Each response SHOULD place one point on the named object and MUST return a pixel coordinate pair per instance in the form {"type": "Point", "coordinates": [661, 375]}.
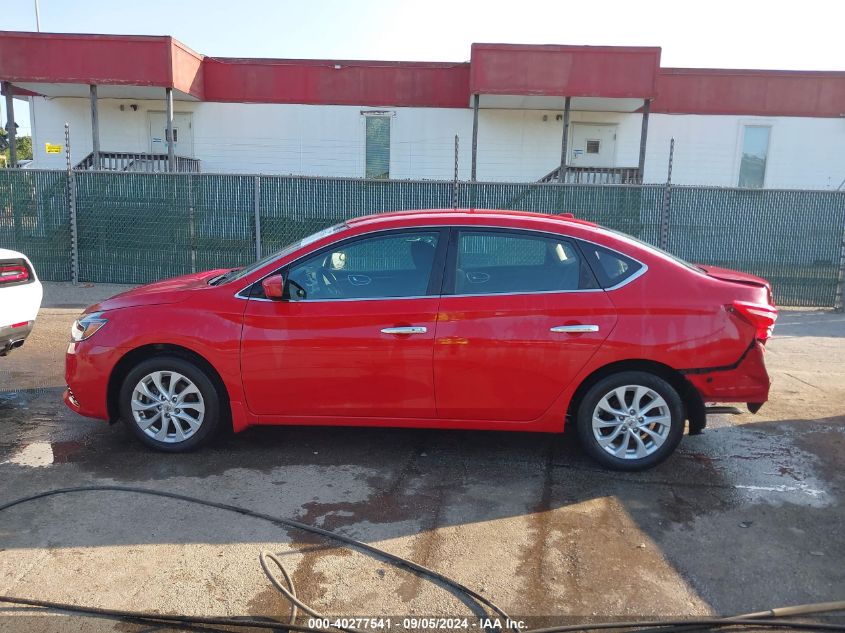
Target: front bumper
{"type": "Point", "coordinates": [87, 371]}
{"type": "Point", "coordinates": [13, 336]}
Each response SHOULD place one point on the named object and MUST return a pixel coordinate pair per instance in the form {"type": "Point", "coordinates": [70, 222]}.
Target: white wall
{"type": "Point", "coordinates": [266, 138]}
{"type": "Point", "coordinates": [518, 145]}
{"type": "Point", "coordinates": [804, 153]}
{"type": "Point", "coordinates": [513, 145]}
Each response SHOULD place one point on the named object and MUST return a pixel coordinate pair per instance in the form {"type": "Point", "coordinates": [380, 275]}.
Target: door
{"type": "Point", "coordinates": [355, 337]}
{"type": "Point", "coordinates": [593, 145]}
{"type": "Point", "coordinates": [183, 134]}
{"type": "Point", "coordinates": [521, 316]}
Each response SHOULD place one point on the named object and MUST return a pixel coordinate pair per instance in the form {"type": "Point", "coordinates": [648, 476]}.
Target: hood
{"type": "Point", "coordinates": [160, 292]}
{"type": "Point", "coordinates": [726, 274]}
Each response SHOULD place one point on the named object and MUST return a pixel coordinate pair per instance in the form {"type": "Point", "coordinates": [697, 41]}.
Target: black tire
{"type": "Point", "coordinates": [671, 432]}
{"type": "Point", "coordinates": [209, 398]}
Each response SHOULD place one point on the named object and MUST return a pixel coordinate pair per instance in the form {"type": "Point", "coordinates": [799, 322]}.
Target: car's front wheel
{"type": "Point", "coordinates": [631, 420]}
{"type": "Point", "coordinates": [170, 404]}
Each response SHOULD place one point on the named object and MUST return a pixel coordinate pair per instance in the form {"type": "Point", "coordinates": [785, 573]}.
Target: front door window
{"type": "Point", "coordinates": [393, 265]}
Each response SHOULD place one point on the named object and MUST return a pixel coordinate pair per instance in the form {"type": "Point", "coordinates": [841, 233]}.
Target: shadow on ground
{"type": "Point", "coordinates": [749, 516]}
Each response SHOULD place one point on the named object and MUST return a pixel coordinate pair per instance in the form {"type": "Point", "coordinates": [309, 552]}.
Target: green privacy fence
{"type": "Point", "coordinates": [138, 227]}
{"type": "Point", "coordinates": [34, 219]}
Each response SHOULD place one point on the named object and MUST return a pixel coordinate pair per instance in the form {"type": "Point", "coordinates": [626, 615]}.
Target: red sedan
{"type": "Point", "coordinates": [497, 320]}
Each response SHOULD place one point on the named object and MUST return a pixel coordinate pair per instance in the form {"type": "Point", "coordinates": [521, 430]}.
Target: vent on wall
{"type": "Point", "coordinates": [593, 146]}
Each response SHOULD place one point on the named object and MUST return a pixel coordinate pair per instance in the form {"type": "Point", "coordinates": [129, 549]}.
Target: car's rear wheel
{"type": "Point", "coordinates": [170, 404]}
{"type": "Point", "coordinates": [631, 420]}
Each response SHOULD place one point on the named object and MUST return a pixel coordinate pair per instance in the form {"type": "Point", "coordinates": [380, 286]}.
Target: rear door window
{"type": "Point", "coordinates": [508, 262]}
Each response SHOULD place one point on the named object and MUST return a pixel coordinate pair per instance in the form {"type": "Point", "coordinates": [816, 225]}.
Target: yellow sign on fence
{"type": "Point", "coordinates": [52, 149]}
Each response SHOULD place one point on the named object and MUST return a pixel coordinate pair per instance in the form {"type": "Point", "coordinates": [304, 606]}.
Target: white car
{"type": "Point", "coordinates": [20, 298]}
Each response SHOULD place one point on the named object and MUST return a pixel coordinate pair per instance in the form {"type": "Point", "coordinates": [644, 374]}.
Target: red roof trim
{"type": "Point", "coordinates": [750, 92]}
{"type": "Point", "coordinates": [753, 72]}
{"type": "Point", "coordinates": [85, 36]}
{"type": "Point", "coordinates": [369, 63]}
{"type": "Point", "coordinates": [131, 60]}
{"type": "Point", "coordinates": [337, 82]}
{"type": "Point", "coordinates": [558, 48]}
{"type": "Point", "coordinates": [559, 70]}
{"type": "Point", "coordinates": [562, 70]}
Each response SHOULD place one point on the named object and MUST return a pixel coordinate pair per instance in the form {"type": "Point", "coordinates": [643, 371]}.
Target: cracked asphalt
{"type": "Point", "coordinates": [746, 517]}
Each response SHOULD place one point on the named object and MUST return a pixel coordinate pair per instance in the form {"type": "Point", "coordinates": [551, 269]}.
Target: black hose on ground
{"type": "Point", "coordinates": [433, 576]}
{"type": "Point", "coordinates": [763, 618]}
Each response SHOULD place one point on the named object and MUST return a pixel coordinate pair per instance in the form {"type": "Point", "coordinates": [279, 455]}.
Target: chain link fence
{"type": "Point", "coordinates": [137, 227]}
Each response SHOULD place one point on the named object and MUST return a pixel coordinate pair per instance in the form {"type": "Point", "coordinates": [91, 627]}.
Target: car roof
{"type": "Point", "coordinates": [449, 216]}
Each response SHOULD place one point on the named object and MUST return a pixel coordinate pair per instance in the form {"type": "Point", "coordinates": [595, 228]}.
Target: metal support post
{"type": "Point", "coordinates": [643, 139]}
{"type": "Point", "coordinates": [564, 139]}
{"type": "Point", "coordinates": [71, 205]}
{"type": "Point", "coordinates": [192, 223]}
{"type": "Point", "coordinates": [171, 152]}
{"type": "Point", "coordinates": [257, 209]}
{"type": "Point", "coordinates": [667, 201]}
{"type": "Point", "coordinates": [839, 299]}
{"type": "Point", "coordinates": [11, 128]}
{"type": "Point", "coordinates": [455, 182]}
{"type": "Point", "coordinates": [475, 100]}
{"type": "Point", "coordinates": [95, 129]}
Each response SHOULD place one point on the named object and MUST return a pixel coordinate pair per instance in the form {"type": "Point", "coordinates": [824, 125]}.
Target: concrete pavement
{"type": "Point", "coordinates": [746, 517]}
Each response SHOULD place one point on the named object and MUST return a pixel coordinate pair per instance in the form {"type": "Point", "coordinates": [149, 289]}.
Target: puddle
{"type": "Point", "coordinates": [763, 465]}
{"type": "Point", "coordinates": [11, 400]}
{"type": "Point", "coordinates": [21, 398]}
{"type": "Point", "coordinates": [43, 454]}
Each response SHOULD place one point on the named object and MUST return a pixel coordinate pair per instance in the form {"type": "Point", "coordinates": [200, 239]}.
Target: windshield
{"type": "Point", "coordinates": [652, 247]}
{"type": "Point", "coordinates": [239, 273]}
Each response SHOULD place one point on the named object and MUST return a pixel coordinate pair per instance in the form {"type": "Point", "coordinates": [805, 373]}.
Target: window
{"type": "Point", "coordinates": [390, 265]}
{"type": "Point", "coordinates": [654, 248]}
{"type": "Point", "coordinates": [377, 159]}
{"type": "Point", "coordinates": [755, 150]}
{"type": "Point", "coordinates": [611, 268]}
{"type": "Point", "coordinates": [593, 146]}
{"type": "Point", "coordinates": [240, 273]}
{"type": "Point", "coordinates": [495, 262]}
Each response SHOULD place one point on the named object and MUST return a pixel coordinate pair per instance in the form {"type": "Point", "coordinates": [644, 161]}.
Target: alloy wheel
{"type": "Point", "coordinates": [167, 406]}
{"type": "Point", "coordinates": [631, 422]}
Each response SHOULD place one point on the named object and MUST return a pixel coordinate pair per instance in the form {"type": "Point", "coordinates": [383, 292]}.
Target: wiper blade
{"type": "Point", "coordinates": [219, 279]}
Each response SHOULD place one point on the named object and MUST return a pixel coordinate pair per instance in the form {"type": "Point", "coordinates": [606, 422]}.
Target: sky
{"type": "Point", "coordinates": [709, 33]}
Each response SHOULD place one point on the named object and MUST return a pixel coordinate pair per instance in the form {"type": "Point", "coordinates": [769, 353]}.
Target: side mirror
{"type": "Point", "coordinates": [274, 287]}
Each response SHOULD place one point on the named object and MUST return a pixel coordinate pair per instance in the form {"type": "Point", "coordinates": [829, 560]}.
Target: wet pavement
{"type": "Point", "coordinates": [746, 517]}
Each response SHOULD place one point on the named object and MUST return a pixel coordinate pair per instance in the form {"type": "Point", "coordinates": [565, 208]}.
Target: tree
{"type": "Point", "coordinates": [22, 143]}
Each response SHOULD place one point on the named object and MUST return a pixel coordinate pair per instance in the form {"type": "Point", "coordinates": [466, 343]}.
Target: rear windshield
{"type": "Point", "coordinates": [654, 248]}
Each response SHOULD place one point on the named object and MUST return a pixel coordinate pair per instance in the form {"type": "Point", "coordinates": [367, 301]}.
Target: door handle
{"type": "Point", "coordinates": [575, 329]}
{"type": "Point", "coordinates": [408, 329]}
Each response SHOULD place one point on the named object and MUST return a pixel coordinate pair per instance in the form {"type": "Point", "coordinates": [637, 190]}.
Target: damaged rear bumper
{"type": "Point", "coordinates": [745, 381]}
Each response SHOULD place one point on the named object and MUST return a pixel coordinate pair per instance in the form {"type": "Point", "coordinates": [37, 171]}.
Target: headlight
{"type": "Point", "coordinates": [87, 326]}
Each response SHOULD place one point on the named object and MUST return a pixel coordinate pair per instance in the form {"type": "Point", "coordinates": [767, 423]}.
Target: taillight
{"type": "Point", "coordinates": [760, 315]}
{"type": "Point", "coordinates": [13, 272]}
